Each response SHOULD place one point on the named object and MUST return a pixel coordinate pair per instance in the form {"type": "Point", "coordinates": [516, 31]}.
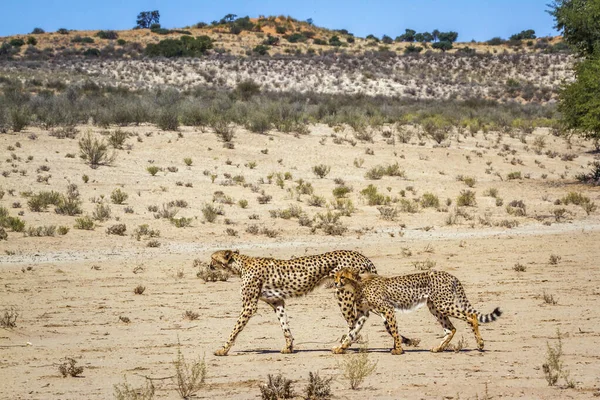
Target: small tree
{"type": "Point", "coordinates": [443, 46]}
{"type": "Point", "coordinates": [146, 18]}
{"type": "Point", "coordinates": [407, 36]}
{"type": "Point", "coordinates": [37, 31]}
{"type": "Point", "coordinates": [580, 100]}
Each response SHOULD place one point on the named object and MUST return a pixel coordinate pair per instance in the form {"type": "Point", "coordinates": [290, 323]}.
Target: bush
{"type": "Point", "coordinates": [95, 151]}
{"type": "Point", "coordinates": [153, 170]}
{"type": "Point", "coordinates": [110, 35]}
{"type": "Point", "coordinates": [31, 41]}
{"type": "Point", "coordinates": [101, 212]}
{"type": "Point", "coordinates": [185, 46]}
{"type": "Point", "coordinates": [246, 89]}
{"type": "Point", "coordinates": [117, 139]}
{"type": "Point", "coordinates": [17, 42]}
{"type": "Point", "coordinates": [189, 378]}
{"type": "Point", "coordinates": [70, 368]}
{"type": "Point", "coordinates": [373, 197]}
{"type": "Point", "coordinates": [321, 170]}
{"type": "Point", "coordinates": [118, 196]}
{"type": "Point", "coordinates": [63, 31]}
{"type": "Point", "coordinates": [430, 200]}
{"type": "Point", "coordinates": [37, 31]}
{"type": "Point", "coordinates": [357, 367]}
{"type": "Point", "coordinates": [466, 198]}
{"type": "Point", "coordinates": [261, 49]}
{"type": "Point", "coordinates": [118, 229]}
{"type": "Point", "coordinates": [317, 388]}
{"type": "Point", "coordinates": [211, 212]}
{"type": "Point", "coordinates": [276, 388]}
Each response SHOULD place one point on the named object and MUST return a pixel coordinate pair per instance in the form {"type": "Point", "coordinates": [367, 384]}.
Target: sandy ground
{"type": "Point", "coordinates": [70, 291]}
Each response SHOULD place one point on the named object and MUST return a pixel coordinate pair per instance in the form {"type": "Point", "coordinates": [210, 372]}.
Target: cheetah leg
{"type": "Point", "coordinates": [278, 306]}
{"type": "Point", "coordinates": [449, 329]}
{"type": "Point", "coordinates": [473, 321]}
{"type": "Point", "coordinates": [249, 309]}
{"type": "Point", "coordinates": [389, 320]}
{"type": "Point", "coordinates": [351, 337]}
{"type": "Point", "coordinates": [347, 305]}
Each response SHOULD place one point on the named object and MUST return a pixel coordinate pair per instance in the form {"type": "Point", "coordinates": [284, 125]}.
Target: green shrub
{"type": "Point", "coordinates": [118, 196]}
{"type": "Point", "coordinates": [85, 223]}
{"type": "Point", "coordinates": [101, 212]}
{"type": "Point", "coordinates": [373, 197]}
{"type": "Point", "coordinates": [110, 35]}
{"type": "Point", "coordinates": [466, 198]}
{"type": "Point", "coordinates": [153, 169]}
{"type": "Point", "coordinates": [430, 200]}
{"type": "Point", "coordinates": [185, 46]}
{"type": "Point", "coordinates": [211, 212]}
{"type": "Point", "coordinates": [321, 170]}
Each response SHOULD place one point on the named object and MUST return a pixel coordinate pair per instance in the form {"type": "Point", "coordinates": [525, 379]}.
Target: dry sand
{"type": "Point", "coordinates": [71, 290]}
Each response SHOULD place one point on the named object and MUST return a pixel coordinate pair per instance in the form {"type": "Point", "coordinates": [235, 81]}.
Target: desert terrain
{"type": "Point", "coordinates": [121, 174]}
{"type": "Point", "coordinates": [73, 292]}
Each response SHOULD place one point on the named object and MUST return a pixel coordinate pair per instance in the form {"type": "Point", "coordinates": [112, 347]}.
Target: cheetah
{"type": "Point", "coordinates": [442, 292]}
{"type": "Point", "coordinates": [272, 281]}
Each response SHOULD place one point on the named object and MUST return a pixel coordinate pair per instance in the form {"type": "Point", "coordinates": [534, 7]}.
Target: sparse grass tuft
{"type": "Point", "coordinates": [189, 378]}
{"type": "Point", "coordinates": [118, 196]}
{"type": "Point", "coordinates": [124, 391]}
{"type": "Point", "coordinates": [356, 367]}
{"type": "Point", "coordinates": [554, 259]}
{"type": "Point", "coordinates": [549, 299]}
{"type": "Point", "coordinates": [554, 366]}
{"type": "Point", "coordinates": [519, 267]}
{"type": "Point", "coordinates": [85, 223]}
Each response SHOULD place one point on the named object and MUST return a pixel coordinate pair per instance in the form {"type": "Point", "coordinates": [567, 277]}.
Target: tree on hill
{"type": "Point", "coordinates": [579, 22]}
{"type": "Point", "coordinates": [448, 36]}
{"type": "Point", "coordinates": [407, 36]}
{"type": "Point", "coordinates": [442, 45]}
{"type": "Point", "coordinates": [436, 34]}
{"type": "Point", "coordinates": [147, 18]}
{"type": "Point", "coordinates": [524, 35]}
{"type": "Point", "coordinates": [424, 37]}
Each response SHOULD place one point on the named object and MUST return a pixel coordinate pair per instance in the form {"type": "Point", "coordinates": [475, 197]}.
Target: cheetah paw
{"type": "Point", "coordinates": [221, 352]}
{"type": "Point", "coordinates": [338, 350]}
{"type": "Point", "coordinates": [397, 352]}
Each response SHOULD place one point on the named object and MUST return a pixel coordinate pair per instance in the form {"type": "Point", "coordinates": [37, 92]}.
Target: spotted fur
{"type": "Point", "coordinates": [272, 281]}
{"type": "Point", "coordinates": [442, 292]}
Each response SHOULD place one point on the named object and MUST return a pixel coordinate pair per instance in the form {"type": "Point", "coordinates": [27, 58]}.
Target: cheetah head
{"type": "Point", "coordinates": [221, 259]}
{"type": "Point", "coordinates": [346, 276]}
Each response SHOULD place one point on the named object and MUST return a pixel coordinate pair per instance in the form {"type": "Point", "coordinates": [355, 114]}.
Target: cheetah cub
{"type": "Point", "coordinates": [442, 292]}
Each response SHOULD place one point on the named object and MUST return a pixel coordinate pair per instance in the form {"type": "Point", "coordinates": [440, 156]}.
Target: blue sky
{"type": "Point", "coordinates": [472, 19]}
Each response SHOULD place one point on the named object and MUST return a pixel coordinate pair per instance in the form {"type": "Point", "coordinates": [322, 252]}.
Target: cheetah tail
{"type": "Point", "coordinates": [484, 318]}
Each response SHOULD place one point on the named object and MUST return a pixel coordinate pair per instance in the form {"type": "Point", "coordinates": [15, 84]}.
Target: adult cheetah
{"type": "Point", "coordinates": [272, 281]}
{"type": "Point", "coordinates": [442, 292]}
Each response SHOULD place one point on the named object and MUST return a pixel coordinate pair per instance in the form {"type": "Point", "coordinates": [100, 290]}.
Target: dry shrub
{"type": "Point", "coordinates": [118, 229]}
{"type": "Point", "coordinates": [318, 388]}
{"type": "Point", "coordinates": [554, 366]}
{"type": "Point", "coordinates": [95, 151]}
{"type": "Point", "coordinates": [276, 388]}
{"type": "Point", "coordinates": [189, 378]}
{"type": "Point", "coordinates": [139, 289]}
{"type": "Point", "coordinates": [124, 391]}
{"type": "Point", "coordinates": [356, 367]}
{"type": "Point", "coordinates": [9, 318]}
{"type": "Point", "coordinates": [70, 368]}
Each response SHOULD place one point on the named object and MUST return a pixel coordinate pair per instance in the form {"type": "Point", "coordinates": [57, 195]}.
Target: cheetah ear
{"type": "Point", "coordinates": [228, 254]}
